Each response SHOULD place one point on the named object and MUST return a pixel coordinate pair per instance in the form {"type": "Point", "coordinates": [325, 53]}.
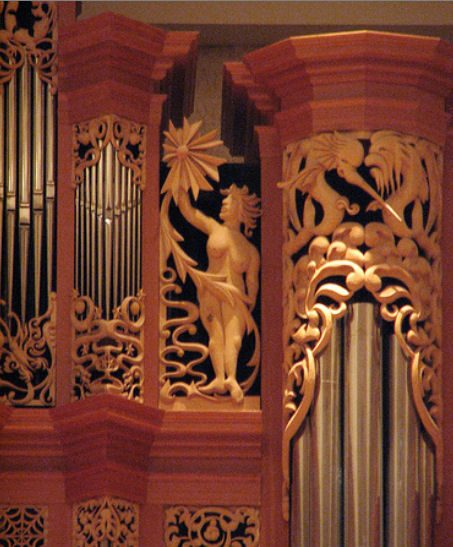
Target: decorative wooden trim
{"type": "Point", "coordinates": [222, 526]}
{"type": "Point", "coordinates": [23, 525]}
{"type": "Point", "coordinates": [106, 519]}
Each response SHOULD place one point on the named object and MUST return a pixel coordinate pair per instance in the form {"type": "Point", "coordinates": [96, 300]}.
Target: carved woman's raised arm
{"type": "Point", "coordinates": [195, 216]}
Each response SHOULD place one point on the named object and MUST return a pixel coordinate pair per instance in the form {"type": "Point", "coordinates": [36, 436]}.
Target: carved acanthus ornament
{"type": "Point", "coordinates": [226, 291]}
{"type": "Point", "coordinates": [27, 357]}
{"type": "Point", "coordinates": [91, 138]}
{"type": "Point", "coordinates": [108, 354]}
{"type": "Point", "coordinates": [23, 525]}
{"type": "Point", "coordinates": [217, 526]}
{"type": "Point", "coordinates": [28, 33]}
{"type": "Point", "coordinates": [383, 240]}
{"type": "Point", "coordinates": [108, 520]}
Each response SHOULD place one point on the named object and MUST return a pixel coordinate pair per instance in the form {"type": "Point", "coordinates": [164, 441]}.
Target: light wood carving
{"type": "Point", "coordinates": [27, 357]}
{"type": "Point", "coordinates": [383, 240]}
{"type": "Point", "coordinates": [23, 525]}
{"type": "Point", "coordinates": [226, 291]}
{"type": "Point", "coordinates": [106, 520]}
{"type": "Point", "coordinates": [219, 526]}
{"type": "Point", "coordinates": [107, 354]}
{"type": "Point", "coordinates": [37, 43]}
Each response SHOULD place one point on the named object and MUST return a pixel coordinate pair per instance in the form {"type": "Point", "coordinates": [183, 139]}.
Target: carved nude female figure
{"type": "Point", "coordinates": [236, 261]}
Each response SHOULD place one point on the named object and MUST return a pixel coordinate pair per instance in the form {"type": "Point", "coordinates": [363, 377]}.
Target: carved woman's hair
{"type": "Point", "coordinates": [249, 206]}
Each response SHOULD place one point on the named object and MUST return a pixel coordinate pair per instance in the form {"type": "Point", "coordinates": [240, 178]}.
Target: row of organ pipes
{"type": "Point", "coordinates": [362, 470]}
{"type": "Point", "coordinates": [108, 208]}
{"type": "Point", "coordinates": [27, 193]}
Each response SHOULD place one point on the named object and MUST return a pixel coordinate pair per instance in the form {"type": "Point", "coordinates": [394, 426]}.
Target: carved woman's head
{"type": "Point", "coordinates": [240, 206]}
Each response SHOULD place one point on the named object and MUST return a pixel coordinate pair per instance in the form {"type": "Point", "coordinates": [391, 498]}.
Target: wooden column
{"type": "Point", "coordinates": [325, 87]}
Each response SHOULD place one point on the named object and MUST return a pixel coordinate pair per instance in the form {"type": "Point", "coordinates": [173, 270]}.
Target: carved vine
{"type": "Point", "coordinates": [107, 354]}
{"type": "Point", "coordinates": [107, 518]}
{"type": "Point", "coordinates": [216, 526]}
{"type": "Point", "coordinates": [28, 32]}
{"type": "Point", "coordinates": [226, 291]}
{"type": "Point", "coordinates": [91, 137]}
{"type": "Point", "coordinates": [385, 242]}
{"type": "Point", "coordinates": [23, 525]}
{"type": "Point", "coordinates": [27, 358]}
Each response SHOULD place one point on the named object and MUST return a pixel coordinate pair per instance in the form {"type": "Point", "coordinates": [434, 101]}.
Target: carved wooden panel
{"type": "Point", "coordinates": [23, 526]}
{"type": "Point", "coordinates": [105, 521]}
{"type": "Point", "coordinates": [204, 329]}
{"type": "Point", "coordinates": [362, 213]}
{"type": "Point", "coordinates": [219, 526]}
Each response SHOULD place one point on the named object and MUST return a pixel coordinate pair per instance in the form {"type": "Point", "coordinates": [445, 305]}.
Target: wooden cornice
{"type": "Point", "coordinates": [106, 442]}
{"type": "Point", "coordinates": [362, 80]}
{"type": "Point", "coordinates": [112, 62]}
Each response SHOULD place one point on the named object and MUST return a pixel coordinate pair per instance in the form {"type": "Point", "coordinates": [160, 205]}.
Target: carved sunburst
{"type": "Point", "coordinates": [188, 161]}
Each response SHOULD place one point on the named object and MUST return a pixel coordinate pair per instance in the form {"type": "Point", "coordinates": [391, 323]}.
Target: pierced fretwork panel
{"type": "Point", "coordinates": [23, 526]}
{"type": "Point", "coordinates": [219, 526]}
{"type": "Point", "coordinates": [28, 107]}
{"type": "Point", "coordinates": [108, 307]}
{"type": "Point", "coordinates": [210, 344]}
{"type": "Point", "coordinates": [362, 229]}
{"type": "Point", "coordinates": [105, 522]}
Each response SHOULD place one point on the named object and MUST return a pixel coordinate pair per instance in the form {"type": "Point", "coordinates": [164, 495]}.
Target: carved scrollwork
{"type": "Point", "coordinates": [27, 358]}
{"type": "Point", "coordinates": [385, 245]}
{"type": "Point", "coordinates": [216, 526]}
{"type": "Point", "coordinates": [23, 525]}
{"type": "Point", "coordinates": [28, 30]}
{"type": "Point", "coordinates": [92, 136]}
{"type": "Point", "coordinates": [226, 291]}
{"type": "Point", "coordinates": [105, 519]}
{"type": "Point", "coordinates": [108, 354]}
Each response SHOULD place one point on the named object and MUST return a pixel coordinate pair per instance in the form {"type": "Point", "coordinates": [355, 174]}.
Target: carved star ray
{"type": "Point", "coordinates": [188, 161]}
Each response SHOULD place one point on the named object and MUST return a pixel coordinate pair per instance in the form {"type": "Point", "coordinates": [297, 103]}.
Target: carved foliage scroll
{"type": "Point", "coordinates": [108, 354]}
{"type": "Point", "coordinates": [28, 33]}
{"type": "Point", "coordinates": [382, 239]}
{"type": "Point", "coordinates": [91, 138]}
{"type": "Point", "coordinates": [23, 526]}
{"type": "Point", "coordinates": [107, 519]}
{"type": "Point", "coordinates": [225, 290]}
{"type": "Point", "coordinates": [27, 376]}
{"type": "Point", "coordinates": [216, 526]}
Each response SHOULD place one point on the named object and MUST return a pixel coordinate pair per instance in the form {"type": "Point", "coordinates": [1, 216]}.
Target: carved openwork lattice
{"type": "Point", "coordinates": [108, 354]}
{"type": "Point", "coordinates": [106, 519]}
{"type": "Point", "coordinates": [27, 376]}
{"type": "Point", "coordinates": [382, 240]}
{"type": "Point", "coordinates": [28, 33]}
{"type": "Point", "coordinates": [28, 68]}
{"type": "Point", "coordinates": [23, 526]}
{"type": "Point", "coordinates": [219, 526]}
{"type": "Point", "coordinates": [226, 290]}
{"type": "Point", "coordinates": [93, 136]}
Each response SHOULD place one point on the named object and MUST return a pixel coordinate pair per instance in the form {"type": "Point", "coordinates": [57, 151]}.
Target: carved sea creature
{"type": "Point", "coordinates": [325, 152]}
